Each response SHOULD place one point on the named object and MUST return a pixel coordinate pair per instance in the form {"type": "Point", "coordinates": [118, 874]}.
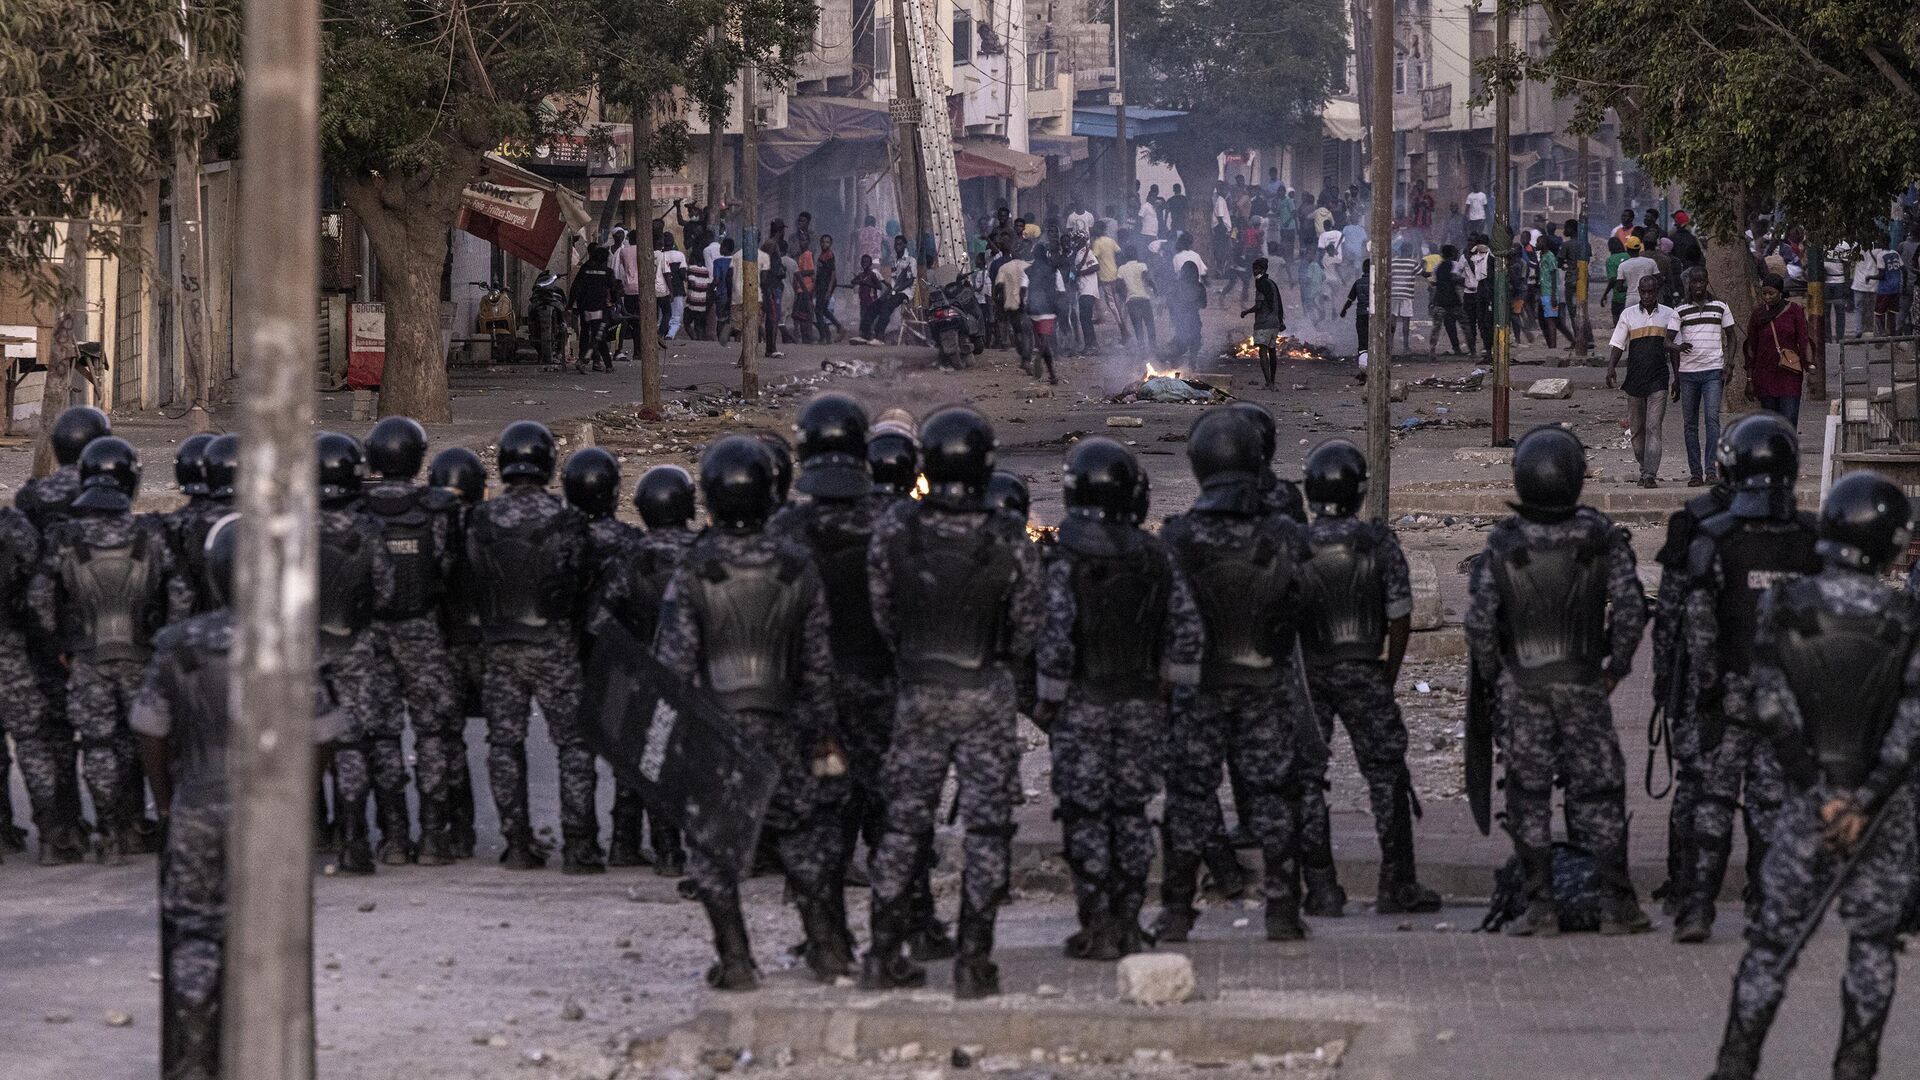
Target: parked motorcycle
{"type": "Point", "coordinates": [547, 318]}
{"type": "Point", "coordinates": [955, 324]}
{"type": "Point", "coordinates": [494, 318]}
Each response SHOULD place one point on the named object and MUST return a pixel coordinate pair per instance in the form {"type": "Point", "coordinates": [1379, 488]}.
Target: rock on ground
{"type": "Point", "coordinates": [1155, 978]}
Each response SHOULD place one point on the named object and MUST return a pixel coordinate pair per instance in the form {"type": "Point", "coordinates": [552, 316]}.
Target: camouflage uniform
{"type": "Point", "coordinates": [187, 527]}
{"type": "Point", "coordinates": [1669, 654]}
{"type": "Point", "coordinates": [367, 757]}
{"type": "Point", "coordinates": [972, 727]}
{"type": "Point", "coordinates": [193, 879]}
{"type": "Point", "coordinates": [801, 818]}
{"type": "Point", "coordinates": [100, 689]}
{"type": "Point", "coordinates": [1109, 746]}
{"type": "Point", "coordinates": [1799, 865]}
{"type": "Point", "coordinates": [1357, 691]}
{"type": "Point", "coordinates": [1249, 727]}
{"type": "Point", "coordinates": [46, 501]}
{"type": "Point", "coordinates": [35, 735]}
{"type": "Point", "coordinates": [1562, 731]}
{"type": "Point", "coordinates": [466, 654]}
{"type": "Point", "coordinates": [519, 672]}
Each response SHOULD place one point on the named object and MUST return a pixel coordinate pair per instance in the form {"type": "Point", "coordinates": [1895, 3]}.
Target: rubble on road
{"type": "Point", "coordinates": [1445, 421]}
{"type": "Point", "coordinates": [1469, 381]}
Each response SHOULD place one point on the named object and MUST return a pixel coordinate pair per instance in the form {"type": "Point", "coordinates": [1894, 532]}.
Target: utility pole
{"type": "Point", "coordinates": [268, 1016]}
{"type": "Point", "coordinates": [189, 268]}
{"type": "Point", "coordinates": [906, 106]}
{"type": "Point", "coordinates": [1128, 203]}
{"type": "Point", "coordinates": [1582, 330]}
{"type": "Point", "coordinates": [1502, 236]}
{"type": "Point", "coordinates": [747, 255]}
{"type": "Point", "coordinates": [646, 330]}
{"type": "Point", "coordinates": [1380, 244]}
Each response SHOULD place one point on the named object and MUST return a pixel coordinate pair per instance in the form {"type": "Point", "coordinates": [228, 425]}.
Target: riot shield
{"type": "Point", "coordinates": [677, 747]}
{"type": "Point", "coordinates": [1479, 748]}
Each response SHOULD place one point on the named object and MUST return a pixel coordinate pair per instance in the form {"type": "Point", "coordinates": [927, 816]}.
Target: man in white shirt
{"type": "Point", "coordinates": [669, 287]}
{"type": "Point", "coordinates": [1866, 282]}
{"type": "Point", "coordinates": [1222, 211]}
{"type": "Point", "coordinates": [1476, 211]}
{"type": "Point", "coordinates": [1644, 335]}
{"type": "Point", "coordinates": [1705, 337]}
{"type": "Point", "coordinates": [1079, 218]}
{"type": "Point", "coordinates": [1638, 265]}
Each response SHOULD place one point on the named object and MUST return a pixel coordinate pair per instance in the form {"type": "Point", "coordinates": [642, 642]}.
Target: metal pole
{"type": "Point", "coordinates": [1380, 244]}
{"type": "Point", "coordinates": [909, 181]}
{"type": "Point", "coordinates": [1129, 204]}
{"type": "Point", "coordinates": [1582, 331]}
{"type": "Point", "coordinates": [646, 337]}
{"type": "Point", "coordinates": [1502, 240]}
{"type": "Point", "coordinates": [268, 1012]}
{"type": "Point", "coordinates": [748, 258]}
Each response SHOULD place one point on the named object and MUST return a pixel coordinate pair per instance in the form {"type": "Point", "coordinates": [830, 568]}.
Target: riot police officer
{"type": "Point", "coordinates": [221, 466]}
{"type": "Point", "coordinates": [180, 715]}
{"type": "Point", "coordinates": [1670, 675]}
{"type": "Point", "coordinates": [664, 498]}
{"type": "Point", "coordinates": [746, 618]}
{"type": "Point", "coordinates": [356, 579]}
{"type": "Point", "coordinates": [527, 552]}
{"type": "Point", "coordinates": [1834, 692]}
{"type": "Point", "coordinates": [1120, 625]}
{"type": "Point", "coordinates": [416, 528]}
{"type": "Point", "coordinates": [781, 453]}
{"type": "Point", "coordinates": [1758, 542]}
{"type": "Point", "coordinates": [106, 583]}
{"type": "Point", "coordinates": [49, 499]}
{"type": "Point", "coordinates": [957, 592]}
{"type": "Point", "coordinates": [893, 455]}
{"type": "Point", "coordinates": [1555, 617]}
{"type": "Point", "coordinates": [42, 743]}
{"type": "Point", "coordinates": [192, 520]}
{"type": "Point", "coordinates": [459, 472]}
{"type": "Point", "coordinates": [1282, 496]}
{"type": "Point", "coordinates": [1242, 562]}
{"type": "Point", "coordinates": [1357, 601]}
{"type": "Point", "coordinates": [1007, 493]}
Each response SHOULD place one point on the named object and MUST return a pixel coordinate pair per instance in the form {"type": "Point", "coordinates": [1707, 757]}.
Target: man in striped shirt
{"type": "Point", "coordinates": [1706, 328]}
{"type": "Point", "coordinates": [1406, 276]}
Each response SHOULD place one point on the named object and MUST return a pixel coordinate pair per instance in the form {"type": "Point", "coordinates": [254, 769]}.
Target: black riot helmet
{"type": "Point", "coordinates": [343, 465]}
{"type": "Point", "coordinates": [1006, 491]}
{"type": "Point", "coordinates": [1263, 422]}
{"type": "Point", "coordinates": [1102, 480]}
{"type": "Point", "coordinates": [664, 497]}
{"type": "Point", "coordinates": [1759, 459]}
{"type": "Point", "coordinates": [1225, 442]}
{"type": "Point", "coordinates": [1864, 523]}
{"type": "Point", "coordinates": [74, 429]}
{"type": "Point", "coordinates": [526, 452]}
{"type": "Point", "coordinates": [109, 475]}
{"type": "Point", "coordinates": [956, 448]}
{"type": "Point", "coordinates": [1142, 497]}
{"type": "Point", "coordinates": [894, 459]}
{"type": "Point", "coordinates": [736, 476]}
{"type": "Point", "coordinates": [222, 551]}
{"type": "Point", "coordinates": [459, 470]}
{"type": "Point", "coordinates": [591, 481]}
{"type": "Point", "coordinates": [395, 448]}
{"type": "Point", "coordinates": [190, 464]}
{"type": "Point", "coordinates": [833, 448]}
{"type": "Point", "coordinates": [780, 453]}
{"type": "Point", "coordinates": [1549, 469]}
{"type": "Point", "coordinates": [1336, 478]}
{"type": "Point", "coordinates": [223, 466]}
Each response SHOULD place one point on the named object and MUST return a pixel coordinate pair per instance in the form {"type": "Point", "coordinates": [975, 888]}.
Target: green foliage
{"type": "Point", "coordinates": [1246, 73]}
{"type": "Point", "coordinates": [1808, 106]}
{"type": "Point", "coordinates": [96, 94]}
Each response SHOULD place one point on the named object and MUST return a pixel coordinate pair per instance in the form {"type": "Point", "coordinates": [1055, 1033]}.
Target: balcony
{"type": "Point", "coordinates": [1049, 103]}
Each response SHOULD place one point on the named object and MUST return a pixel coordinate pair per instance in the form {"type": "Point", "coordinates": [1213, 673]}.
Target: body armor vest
{"type": "Point", "coordinates": [1683, 526]}
{"type": "Point", "coordinates": [841, 553]}
{"type": "Point", "coordinates": [111, 592]}
{"type": "Point", "coordinates": [1554, 606]}
{"type": "Point", "coordinates": [1344, 592]}
{"type": "Point", "coordinates": [406, 529]}
{"type": "Point", "coordinates": [752, 623]}
{"type": "Point", "coordinates": [193, 544]}
{"type": "Point", "coordinates": [1755, 555]}
{"type": "Point", "coordinates": [950, 599]}
{"type": "Point", "coordinates": [346, 589]}
{"type": "Point", "coordinates": [199, 737]}
{"type": "Point", "coordinates": [1120, 608]}
{"type": "Point", "coordinates": [519, 593]}
{"type": "Point", "coordinates": [1847, 674]}
{"type": "Point", "coordinates": [1241, 593]}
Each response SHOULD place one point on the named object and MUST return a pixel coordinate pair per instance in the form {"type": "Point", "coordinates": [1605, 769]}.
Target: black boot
{"type": "Point", "coordinates": [824, 948]}
{"type": "Point", "coordinates": [139, 836]}
{"type": "Point", "coordinates": [356, 853]}
{"type": "Point", "coordinates": [1739, 1056]}
{"type": "Point", "coordinates": [1400, 892]}
{"type": "Point", "coordinates": [1124, 913]}
{"type": "Point", "coordinates": [460, 835]}
{"type": "Point", "coordinates": [1542, 917]}
{"type": "Point", "coordinates": [1283, 918]}
{"type": "Point", "coordinates": [1694, 923]}
{"type": "Point", "coordinates": [1176, 898]}
{"type": "Point", "coordinates": [734, 970]}
{"type": "Point", "coordinates": [1858, 1057]}
{"type": "Point", "coordinates": [190, 1044]}
{"type": "Point", "coordinates": [1223, 866]}
{"type": "Point", "coordinates": [435, 847]}
{"type": "Point", "coordinates": [522, 853]}
{"type": "Point", "coordinates": [1094, 936]}
{"type": "Point", "coordinates": [62, 845]}
{"type": "Point", "coordinates": [1325, 898]}
{"type": "Point", "coordinates": [396, 846]}
{"type": "Point", "coordinates": [844, 948]}
{"type": "Point", "coordinates": [326, 837]}
{"type": "Point", "coordinates": [580, 855]}
{"type": "Point", "coordinates": [927, 936]}
{"type": "Point", "coordinates": [975, 975]}
{"type": "Point", "coordinates": [885, 967]}
{"type": "Point", "coordinates": [623, 848]}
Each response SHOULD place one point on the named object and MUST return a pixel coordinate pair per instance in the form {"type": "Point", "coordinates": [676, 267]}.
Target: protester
{"type": "Point", "coordinates": [1778, 351]}
{"type": "Point", "coordinates": [1644, 335]}
{"type": "Point", "coordinates": [1269, 319]}
{"type": "Point", "coordinates": [1137, 288]}
{"type": "Point", "coordinates": [1705, 337]}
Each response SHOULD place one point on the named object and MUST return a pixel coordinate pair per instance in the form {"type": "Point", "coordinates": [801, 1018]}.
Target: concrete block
{"type": "Point", "coordinates": [1397, 391]}
{"type": "Point", "coordinates": [1155, 978]}
{"type": "Point", "coordinates": [1483, 455]}
{"type": "Point", "coordinates": [1550, 390]}
{"type": "Point", "coordinates": [1428, 613]}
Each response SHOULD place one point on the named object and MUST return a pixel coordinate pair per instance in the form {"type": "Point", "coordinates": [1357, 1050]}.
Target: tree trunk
{"type": "Point", "coordinates": [189, 276]}
{"type": "Point", "coordinates": [646, 338]}
{"type": "Point", "coordinates": [1199, 170]}
{"type": "Point", "coordinates": [68, 331]}
{"type": "Point", "coordinates": [407, 220]}
{"type": "Point", "coordinates": [1730, 274]}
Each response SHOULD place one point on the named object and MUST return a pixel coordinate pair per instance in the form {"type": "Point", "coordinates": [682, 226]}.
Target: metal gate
{"type": "Point", "coordinates": [1879, 393]}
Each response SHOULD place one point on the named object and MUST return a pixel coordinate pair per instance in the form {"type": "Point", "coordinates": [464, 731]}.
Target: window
{"type": "Point", "coordinates": [1043, 69]}
{"type": "Point", "coordinates": [962, 36]}
{"type": "Point", "coordinates": [882, 48]}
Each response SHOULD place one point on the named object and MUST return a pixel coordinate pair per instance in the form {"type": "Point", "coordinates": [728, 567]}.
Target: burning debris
{"type": "Point", "coordinates": [1170, 387]}
{"type": "Point", "coordinates": [1289, 349]}
{"type": "Point", "coordinates": [1043, 534]}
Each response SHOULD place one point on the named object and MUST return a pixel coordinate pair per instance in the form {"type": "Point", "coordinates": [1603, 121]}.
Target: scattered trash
{"type": "Point", "coordinates": [1469, 381]}
{"type": "Point", "coordinates": [858, 369]}
{"type": "Point", "coordinates": [1167, 390]}
{"type": "Point", "coordinates": [1422, 688]}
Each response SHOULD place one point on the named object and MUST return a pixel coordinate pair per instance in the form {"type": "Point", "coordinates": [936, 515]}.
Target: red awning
{"type": "Point", "coordinates": [523, 214]}
{"type": "Point", "coordinates": [975, 160]}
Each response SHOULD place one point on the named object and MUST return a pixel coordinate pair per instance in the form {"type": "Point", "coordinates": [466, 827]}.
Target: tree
{"type": "Point", "coordinates": [1245, 74]}
{"type": "Point", "coordinates": [415, 93]}
{"type": "Point", "coordinates": [98, 93]}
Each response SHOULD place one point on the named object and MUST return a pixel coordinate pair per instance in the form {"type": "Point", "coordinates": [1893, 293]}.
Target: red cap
{"type": "Point", "coordinates": [1680, 217]}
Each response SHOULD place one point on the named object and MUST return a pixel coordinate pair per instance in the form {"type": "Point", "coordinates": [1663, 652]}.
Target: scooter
{"type": "Point", "coordinates": [954, 323]}
{"type": "Point", "coordinates": [495, 319]}
{"type": "Point", "coordinates": [547, 318]}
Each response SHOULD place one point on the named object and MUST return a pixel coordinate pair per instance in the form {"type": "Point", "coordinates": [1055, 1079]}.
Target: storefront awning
{"type": "Point", "coordinates": [1098, 122]}
{"type": "Point", "coordinates": [815, 122]}
{"type": "Point", "coordinates": [1341, 120]}
{"type": "Point", "coordinates": [518, 211]}
{"type": "Point", "coordinates": [980, 158]}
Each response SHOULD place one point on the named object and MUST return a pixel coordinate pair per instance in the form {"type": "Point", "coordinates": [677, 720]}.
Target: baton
{"type": "Point", "coordinates": [1841, 878]}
